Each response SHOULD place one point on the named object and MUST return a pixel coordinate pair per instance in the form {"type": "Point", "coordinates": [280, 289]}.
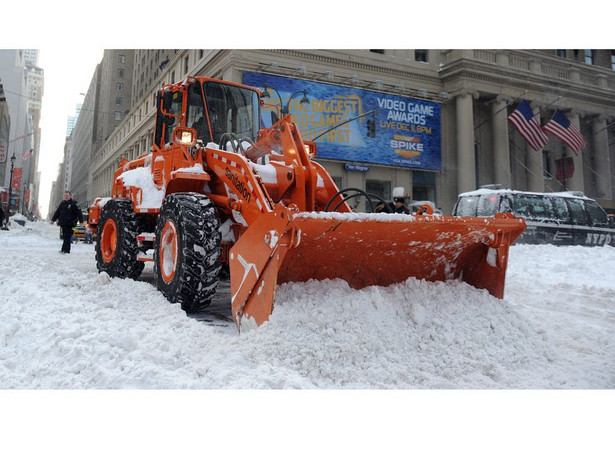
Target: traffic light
{"type": "Point", "coordinates": [371, 128]}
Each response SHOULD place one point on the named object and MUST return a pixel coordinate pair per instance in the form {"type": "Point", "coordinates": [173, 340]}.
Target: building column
{"type": "Point", "coordinates": [501, 151]}
{"type": "Point", "coordinates": [466, 167]}
{"type": "Point", "coordinates": [577, 182]}
{"type": "Point", "coordinates": [601, 154]}
{"type": "Point", "coordinates": [533, 162]}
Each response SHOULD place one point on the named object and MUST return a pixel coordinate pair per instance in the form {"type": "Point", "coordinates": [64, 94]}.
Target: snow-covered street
{"type": "Point", "coordinates": [64, 326]}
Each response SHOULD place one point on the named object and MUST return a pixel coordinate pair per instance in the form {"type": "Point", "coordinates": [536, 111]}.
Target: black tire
{"type": "Point", "coordinates": [118, 216]}
{"type": "Point", "coordinates": [187, 250]}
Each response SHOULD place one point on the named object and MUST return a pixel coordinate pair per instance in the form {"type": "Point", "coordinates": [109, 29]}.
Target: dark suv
{"type": "Point", "coordinates": [559, 218]}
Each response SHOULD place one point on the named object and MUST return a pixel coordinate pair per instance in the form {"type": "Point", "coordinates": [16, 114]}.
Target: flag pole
{"type": "Point", "coordinates": [503, 108]}
{"type": "Point", "coordinates": [547, 106]}
{"type": "Point", "coordinates": [605, 128]}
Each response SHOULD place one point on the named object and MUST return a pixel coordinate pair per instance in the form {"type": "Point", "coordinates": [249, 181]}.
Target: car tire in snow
{"type": "Point", "coordinates": [116, 241]}
{"type": "Point", "coordinates": [187, 250]}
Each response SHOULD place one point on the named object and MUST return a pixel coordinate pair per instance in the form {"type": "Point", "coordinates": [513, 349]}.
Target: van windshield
{"type": "Point", "coordinates": [483, 205]}
{"type": "Point", "coordinates": [487, 205]}
{"type": "Point", "coordinates": [466, 206]}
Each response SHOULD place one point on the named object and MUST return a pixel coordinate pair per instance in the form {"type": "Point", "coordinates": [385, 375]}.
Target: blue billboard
{"type": "Point", "coordinates": [402, 131]}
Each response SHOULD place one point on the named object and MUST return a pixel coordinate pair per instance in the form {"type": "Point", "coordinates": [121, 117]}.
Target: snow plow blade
{"type": "Point", "coordinates": [366, 250]}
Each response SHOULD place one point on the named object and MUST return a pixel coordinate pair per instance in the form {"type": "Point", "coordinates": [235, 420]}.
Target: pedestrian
{"type": "Point", "coordinates": [67, 214]}
{"type": "Point", "coordinates": [400, 206]}
{"type": "Point", "coordinates": [1, 215]}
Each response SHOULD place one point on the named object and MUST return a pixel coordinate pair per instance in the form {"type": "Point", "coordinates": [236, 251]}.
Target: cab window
{"type": "Point", "coordinates": [597, 214]}
{"type": "Point", "coordinates": [232, 110]}
{"type": "Point", "coordinates": [173, 121]}
{"type": "Point", "coordinates": [195, 115]}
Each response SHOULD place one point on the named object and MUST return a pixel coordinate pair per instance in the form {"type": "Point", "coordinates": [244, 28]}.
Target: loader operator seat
{"type": "Point", "coordinates": [216, 126]}
{"type": "Point", "coordinates": [201, 128]}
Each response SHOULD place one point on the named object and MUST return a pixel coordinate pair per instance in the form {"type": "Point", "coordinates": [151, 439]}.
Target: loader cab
{"type": "Point", "coordinates": [211, 107]}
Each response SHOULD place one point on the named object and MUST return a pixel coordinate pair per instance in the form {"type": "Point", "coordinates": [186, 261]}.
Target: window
{"type": "Point", "coordinates": [420, 55]}
{"type": "Point", "coordinates": [337, 181]}
{"type": "Point", "coordinates": [196, 117]}
{"type": "Point", "coordinates": [561, 209]}
{"type": "Point", "coordinates": [120, 73]}
{"type": "Point", "coordinates": [172, 121]}
{"type": "Point", "coordinates": [119, 87]}
{"type": "Point", "coordinates": [380, 188]}
{"type": "Point", "coordinates": [232, 109]}
{"type": "Point", "coordinates": [118, 100]}
{"type": "Point", "coordinates": [535, 207]}
{"type": "Point", "coordinates": [561, 53]}
{"type": "Point", "coordinates": [186, 65]}
{"type": "Point", "coordinates": [466, 206]}
{"type": "Point", "coordinates": [546, 164]}
{"type": "Point", "coordinates": [578, 212]}
{"type": "Point", "coordinates": [201, 53]}
{"type": "Point", "coordinates": [597, 214]}
{"type": "Point", "coordinates": [122, 59]}
{"type": "Point", "coordinates": [589, 56]}
{"type": "Point", "coordinates": [118, 116]}
{"type": "Point", "coordinates": [487, 205]}
{"type": "Point", "coordinates": [377, 51]}
{"type": "Point", "coordinates": [612, 60]}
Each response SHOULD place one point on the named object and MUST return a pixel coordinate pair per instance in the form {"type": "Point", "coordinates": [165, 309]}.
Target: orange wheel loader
{"type": "Point", "coordinates": [216, 188]}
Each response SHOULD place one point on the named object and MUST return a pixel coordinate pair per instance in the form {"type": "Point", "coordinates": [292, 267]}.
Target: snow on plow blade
{"type": "Point", "coordinates": [368, 249]}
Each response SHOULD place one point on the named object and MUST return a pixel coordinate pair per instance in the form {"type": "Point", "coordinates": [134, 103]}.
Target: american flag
{"type": "Point", "coordinates": [26, 155]}
{"type": "Point", "coordinates": [562, 128]}
{"type": "Point", "coordinates": [523, 119]}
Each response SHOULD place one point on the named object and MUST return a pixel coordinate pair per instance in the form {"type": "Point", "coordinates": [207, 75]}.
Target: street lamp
{"type": "Point", "coordinates": [284, 109]}
{"type": "Point", "coordinates": [8, 207]}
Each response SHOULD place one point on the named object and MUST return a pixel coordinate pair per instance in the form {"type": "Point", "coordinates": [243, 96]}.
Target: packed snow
{"type": "Point", "coordinates": [65, 326]}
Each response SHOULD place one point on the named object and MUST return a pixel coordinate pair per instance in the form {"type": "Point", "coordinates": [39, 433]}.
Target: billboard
{"type": "Point", "coordinates": [401, 132]}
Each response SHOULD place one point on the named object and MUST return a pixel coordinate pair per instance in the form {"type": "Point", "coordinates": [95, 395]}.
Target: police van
{"type": "Point", "coordinates": [558, 218]}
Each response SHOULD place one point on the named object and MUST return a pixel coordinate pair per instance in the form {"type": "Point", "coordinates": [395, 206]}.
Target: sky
{"type": "Point", "coordinates": [67, 76]}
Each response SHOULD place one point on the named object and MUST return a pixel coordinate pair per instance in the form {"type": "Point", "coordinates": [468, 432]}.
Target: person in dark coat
{"type": "Point", "coordinates": [1, 215]}
{"type": "Point", "coordinates": [400, 206]}
{"type": "Point", "coordinates": [67, 214]}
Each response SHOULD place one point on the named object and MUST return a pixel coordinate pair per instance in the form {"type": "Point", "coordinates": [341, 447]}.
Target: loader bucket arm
{"type": "Point", "coordinates": [365, 250]}
{"type": "Point", "coordinates": [254, 261]}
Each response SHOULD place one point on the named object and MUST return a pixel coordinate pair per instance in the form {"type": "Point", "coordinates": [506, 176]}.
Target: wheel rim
{"type": "Point", "coordinates": [108, 242]}
{"type": "Point", "coordinates": [168, 251]}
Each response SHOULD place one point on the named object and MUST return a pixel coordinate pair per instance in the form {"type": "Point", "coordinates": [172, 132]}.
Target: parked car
{"type": "Point", "coordinates": [416, 204]}
{"type": "Point", "coordinates": [558, 218]}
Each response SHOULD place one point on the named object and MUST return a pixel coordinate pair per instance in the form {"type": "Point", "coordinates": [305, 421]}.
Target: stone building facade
{"type": "Point", "coordinates": [475, 91]}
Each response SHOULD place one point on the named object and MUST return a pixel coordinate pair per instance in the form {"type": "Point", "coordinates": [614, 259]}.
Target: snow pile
{"type": "Point", "coordinates": [411, 335]}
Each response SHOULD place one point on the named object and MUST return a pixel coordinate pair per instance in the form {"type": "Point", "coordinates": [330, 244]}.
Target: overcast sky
{"type": "Point", "coordinates": [67, 76]}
